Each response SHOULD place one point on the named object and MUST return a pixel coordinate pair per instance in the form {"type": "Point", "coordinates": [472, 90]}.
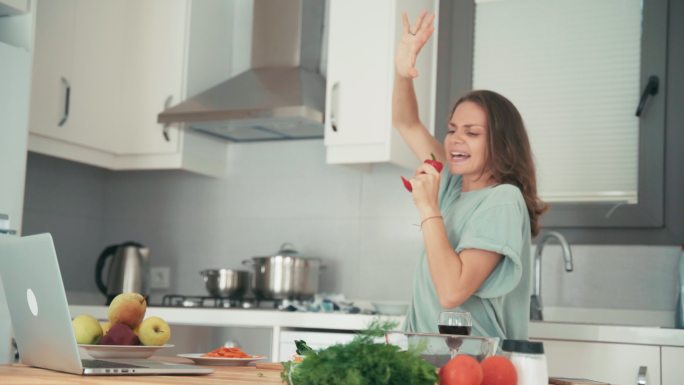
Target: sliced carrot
{"type": "Point", "coordinates": [224, 352]}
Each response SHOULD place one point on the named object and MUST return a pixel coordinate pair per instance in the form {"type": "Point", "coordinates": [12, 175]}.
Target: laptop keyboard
{"type": "Point", "coordinates": [99, 364]}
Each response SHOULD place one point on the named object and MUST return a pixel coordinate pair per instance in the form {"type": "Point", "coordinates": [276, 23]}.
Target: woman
{"type": "Point", "coordinates": [479, 214]}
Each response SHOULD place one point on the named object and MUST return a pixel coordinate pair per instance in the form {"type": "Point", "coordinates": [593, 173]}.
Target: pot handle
{"type": "Point", "coordinates": [248, 262]}
{"type": "Point", "coordinates": [287, 248]}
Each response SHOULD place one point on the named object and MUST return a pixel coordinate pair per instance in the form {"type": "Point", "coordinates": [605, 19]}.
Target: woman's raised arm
{"type": "Point", "coordinates": [405, 116]}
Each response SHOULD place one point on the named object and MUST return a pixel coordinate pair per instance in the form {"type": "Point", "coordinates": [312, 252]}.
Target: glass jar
{"type": "Point", "coordinates": [529, 361]}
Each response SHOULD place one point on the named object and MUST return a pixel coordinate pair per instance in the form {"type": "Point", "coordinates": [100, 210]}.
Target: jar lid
{"type": "Point", "coordinates": [523, 346]}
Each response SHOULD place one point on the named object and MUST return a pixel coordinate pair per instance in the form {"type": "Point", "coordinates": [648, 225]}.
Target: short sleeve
{"type": "Point", "coordinates": [499, 229]}
{"type": "Point", "coordinates": [449, 188]}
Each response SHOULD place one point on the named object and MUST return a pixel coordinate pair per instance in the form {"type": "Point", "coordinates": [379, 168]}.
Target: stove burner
{"type": "Point", "coordinates": [198, 301]}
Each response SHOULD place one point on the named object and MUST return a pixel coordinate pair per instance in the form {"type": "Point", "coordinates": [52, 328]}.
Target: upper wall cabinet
{"type": "Point", "coordinates": [360, 74]}
{"type": "Point", "coordinates": [102, 72]}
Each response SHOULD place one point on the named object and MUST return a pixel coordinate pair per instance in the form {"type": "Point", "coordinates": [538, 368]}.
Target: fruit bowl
{"type": "Point", "coordinates": [121, 351]}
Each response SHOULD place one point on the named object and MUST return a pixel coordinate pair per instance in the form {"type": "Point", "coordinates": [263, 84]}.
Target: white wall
{"type": "Point", "coordinates": [360, 223]}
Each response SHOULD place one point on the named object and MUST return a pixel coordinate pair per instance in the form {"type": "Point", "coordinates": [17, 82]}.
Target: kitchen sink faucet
{"type": "Point", "coordinates": [535, 299]}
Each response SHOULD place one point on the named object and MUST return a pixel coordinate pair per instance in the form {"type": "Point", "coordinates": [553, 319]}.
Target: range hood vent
{"type": "Point", "coordinates": [282, 95]}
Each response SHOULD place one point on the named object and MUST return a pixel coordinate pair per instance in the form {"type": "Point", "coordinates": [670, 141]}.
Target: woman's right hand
{"type": "Point", "coordinates": [425, 185]}
{"type": "Point", "coordinates": [413, 39]}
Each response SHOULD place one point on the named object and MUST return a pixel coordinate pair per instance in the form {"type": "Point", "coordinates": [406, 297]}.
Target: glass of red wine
{"type": "Point", "coordinates": [455, 323]}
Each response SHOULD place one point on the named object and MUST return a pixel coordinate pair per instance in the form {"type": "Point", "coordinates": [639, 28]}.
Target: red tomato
{"type": "Point", "coordinates": [461, 370]}
{"type": "Point", "coordinates": [498, 370]}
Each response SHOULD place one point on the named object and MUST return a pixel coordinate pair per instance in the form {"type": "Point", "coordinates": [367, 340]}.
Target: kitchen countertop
{"type": "Point", "coordinates": [249, 317]}
{"type": "Point", "coordinates": [226, 375]}
{"type": "Point", "coordinates": [640, 335]}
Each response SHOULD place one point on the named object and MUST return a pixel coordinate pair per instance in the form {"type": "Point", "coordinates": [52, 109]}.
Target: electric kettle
{"type": "Point", "coordinates": [127, 272]}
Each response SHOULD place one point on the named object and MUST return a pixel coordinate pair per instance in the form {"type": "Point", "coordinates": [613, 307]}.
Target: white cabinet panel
{"type": "Point", "coordinates": [152, 74]}
{"type": "Point", "coordinates": [359, 71]}
{"type": "Point", "coordinates": [360, 75]}
{"type": "Point", "coordinates": [672, 361]}
{"type": "Point", "coordinates": [612, 363]}
{"type": "Point", "coordinates": [52, 68]}
{"type": "Point", "coordinates": [97, 72]}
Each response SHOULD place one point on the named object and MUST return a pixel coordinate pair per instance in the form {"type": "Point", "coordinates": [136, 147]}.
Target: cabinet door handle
{"type": "Point", "coordinates": [165, 128]}
{"type": "Point", "coordinates": [67, 96]}
{"type": "Point", "coordinates": [334, 105]}
{"type": "Point", "coordinates": [8, 231]}
{"type": "Point", "coordinates": [650, 90]}
{"type": "Point", "coordinates": [641, 377]}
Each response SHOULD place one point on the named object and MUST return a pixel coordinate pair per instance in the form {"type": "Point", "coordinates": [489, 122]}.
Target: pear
{"type": "Point", "coordinates": [127, 308]}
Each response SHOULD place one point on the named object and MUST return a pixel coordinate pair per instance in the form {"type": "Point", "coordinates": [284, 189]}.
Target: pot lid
{"type": "Point", "coordinates": [287, 249]}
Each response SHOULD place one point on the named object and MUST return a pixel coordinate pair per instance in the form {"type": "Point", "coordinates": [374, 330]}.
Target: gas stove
{"type": "Point", "coordinates": [198, 301]}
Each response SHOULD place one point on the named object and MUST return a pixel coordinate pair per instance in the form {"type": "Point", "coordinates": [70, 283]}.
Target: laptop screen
{"type": "Point", "coordinates": [37, 303]}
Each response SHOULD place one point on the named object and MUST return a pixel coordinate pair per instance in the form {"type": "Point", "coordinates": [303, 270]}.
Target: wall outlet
{"type": "Point", "coordinates": [160, 277]}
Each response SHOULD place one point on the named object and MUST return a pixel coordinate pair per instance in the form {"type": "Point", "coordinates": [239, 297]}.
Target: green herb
{"type": "Point", "coordinates": [361, 361]}
{"type": "Point", "coordinates": [302, 347]}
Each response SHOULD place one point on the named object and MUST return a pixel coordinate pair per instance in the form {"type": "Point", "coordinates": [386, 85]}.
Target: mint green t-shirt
{"type": "Point", "coordinates": [494, 219]}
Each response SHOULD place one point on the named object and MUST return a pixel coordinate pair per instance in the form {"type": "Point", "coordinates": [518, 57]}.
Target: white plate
{"type": "Point", "coordinates": [223, 361]}
{"type": "Point", "coordinates": [121, 351]}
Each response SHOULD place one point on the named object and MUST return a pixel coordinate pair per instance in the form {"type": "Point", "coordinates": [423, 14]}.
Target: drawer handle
{"type": "Point", "coordinates": [334, 106]}
{"type": "Point", "coordinates": [67, 96]}
{"type": "Point", "coordinates": [641, 377]}
{"type": "Point", "coordinates": [165, 129]}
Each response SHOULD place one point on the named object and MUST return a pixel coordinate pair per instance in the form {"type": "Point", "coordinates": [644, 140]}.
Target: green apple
{"type": "Point", "coordinates": [154, 331]}
{"type": "Point", "coordinates": [87, 329]}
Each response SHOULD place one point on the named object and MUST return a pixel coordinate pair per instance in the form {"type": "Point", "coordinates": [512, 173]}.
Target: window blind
{"type": "Point", "coordinates": [572, 68]}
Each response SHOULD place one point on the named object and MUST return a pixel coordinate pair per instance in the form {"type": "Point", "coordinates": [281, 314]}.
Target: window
{"type": "Point", "coordinates": [629, 210]}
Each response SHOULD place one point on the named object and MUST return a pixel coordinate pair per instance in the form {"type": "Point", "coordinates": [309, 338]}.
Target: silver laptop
{"type": "Point", "coordinates": [40, 314]}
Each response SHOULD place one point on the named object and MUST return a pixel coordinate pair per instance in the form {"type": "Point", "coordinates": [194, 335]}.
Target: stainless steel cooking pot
{"type": "Point", "coordinates": [226, 283]}
{"type": "Point", "coordinates": [285, 275]}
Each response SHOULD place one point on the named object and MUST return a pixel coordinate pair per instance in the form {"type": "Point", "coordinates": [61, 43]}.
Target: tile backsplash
{"type": "Point", "coordinates": [360, 222]}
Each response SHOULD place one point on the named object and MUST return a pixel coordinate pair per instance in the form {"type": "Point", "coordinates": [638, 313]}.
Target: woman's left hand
{"type": "Point", "coordinates": [425, 184]}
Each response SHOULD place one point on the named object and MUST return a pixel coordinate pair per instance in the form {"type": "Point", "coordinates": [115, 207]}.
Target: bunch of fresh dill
{"type": "Point", "coordinates": [360, 362]}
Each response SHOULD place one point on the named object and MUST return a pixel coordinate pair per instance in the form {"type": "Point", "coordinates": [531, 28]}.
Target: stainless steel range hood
{"type": "Point", "coordinates": [282, 95]}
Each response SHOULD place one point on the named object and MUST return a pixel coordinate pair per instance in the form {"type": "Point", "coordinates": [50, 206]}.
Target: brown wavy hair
{"type": "Point", "coordinates": [509, 156]}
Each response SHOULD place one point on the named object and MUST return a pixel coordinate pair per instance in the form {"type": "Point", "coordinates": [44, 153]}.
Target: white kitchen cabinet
{"type": "Point", "coordinates": [15, 77]}
{"type": "Point", "coordinates": [609, 362]}
{"type": "Point", "coordinates": [672, 360]}
{"type": "Point", "coordinates": [77, 70]}
{"type": "Point", "coordinates": [103, 71]}
{"type": "Point", "coordinates": [315, 339]}
{"type": "Point", "coordinates": [362, 37]}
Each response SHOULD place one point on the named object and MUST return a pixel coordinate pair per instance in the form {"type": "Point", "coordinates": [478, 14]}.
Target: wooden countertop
{"type": "Point", "coordinates": [18, 374]}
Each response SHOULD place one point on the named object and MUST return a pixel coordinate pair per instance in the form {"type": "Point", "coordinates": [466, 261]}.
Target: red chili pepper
{"type": "Point", "coordinates": [432, 162]}
{"type": "Point", "coordinates": [407, 184]}
{"type": "Point", "coordinates": [435, 163]}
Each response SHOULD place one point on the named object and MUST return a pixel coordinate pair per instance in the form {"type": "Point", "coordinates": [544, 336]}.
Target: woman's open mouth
{"type": "Point", "coordinates": [459, 156]}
